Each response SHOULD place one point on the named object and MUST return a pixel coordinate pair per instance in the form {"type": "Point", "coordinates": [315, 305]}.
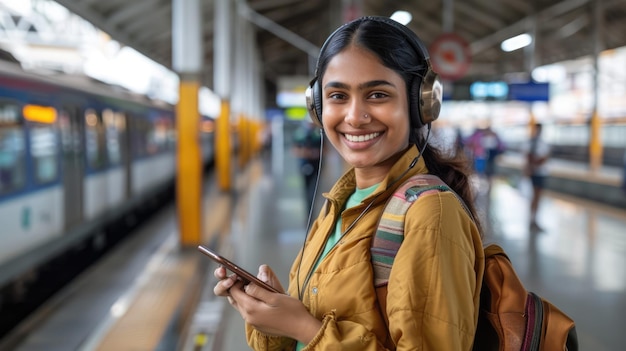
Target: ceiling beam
{"type": "Point", "coordinates": [86, 2]}
{"type": "Point", "coordinates": [130, 10]}
{"type": "Point", "coordinates": [522, 25]}
{"type": "Point", "coordinates": [478, 15]}
{"type": "Point", "coordinates": [280, 31]}
{"type": "Point", "coordinates": [260, 6]}
{"type": "Point", "coordinates": [160, 17]}
{"type": "Point", "coordinates": [572, 27]}
{"type": "Point", "coordinates": [99, 21]}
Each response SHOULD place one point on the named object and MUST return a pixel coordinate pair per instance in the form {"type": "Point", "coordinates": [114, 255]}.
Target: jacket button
{"type": "Point", "coordinates": [314, 291]}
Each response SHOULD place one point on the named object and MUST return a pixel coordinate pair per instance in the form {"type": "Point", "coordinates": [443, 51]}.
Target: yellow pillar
{"type": "Point", "coordinates": [248, 139]}
{"type": "Point", "coordinates": [595, 143]}
{"type": "Point", "coordinates": [223, 147]}
{"type": "Point", "coordinates": [256, 128]}
{"type": "Point", "coordinates": [189, 164]}
{"type": "Point", "coordinates": [248, 131]}
{"type": "Point", "coordinates": [243, 140]}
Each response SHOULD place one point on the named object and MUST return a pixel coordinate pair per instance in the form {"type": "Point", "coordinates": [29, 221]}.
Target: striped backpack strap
{"type": "Point", "coordinates": [390, 231]}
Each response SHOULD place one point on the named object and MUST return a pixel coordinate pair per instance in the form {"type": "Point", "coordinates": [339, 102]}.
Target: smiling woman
{"type": "Point", "coordinates": [375, 96]}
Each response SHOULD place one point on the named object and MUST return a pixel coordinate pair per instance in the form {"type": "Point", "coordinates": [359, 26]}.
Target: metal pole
{"type": "Point", "coordinates": [222, 76]}
{"type": "Point", "coordinates": [595, 142]}
{"type": "Point", "coordinates": [187, 61]}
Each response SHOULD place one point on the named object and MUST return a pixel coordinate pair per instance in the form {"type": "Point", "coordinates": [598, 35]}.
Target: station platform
{"type": "Point", "coordinates": [151, 294]}
{"type": "Point", "coordinates": [602, 185]}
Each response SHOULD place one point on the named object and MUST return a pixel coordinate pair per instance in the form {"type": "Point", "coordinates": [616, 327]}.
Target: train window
{"type": "Point", "coordinates": [161, 138]}
{"type": "Point", "coordinates": [94, 140]}
{"type": "Point", "coordinates": [44, 151]}
{"type": "Point", "coordinates": [114, 123]}
{"type": "Point", "coordinates": [140, 134]}
{"type": "Point", "coordinates": [151, 135]}
{"type": "Point", "coordinates": [12, 149]}
{"type": "Point", "coordinates": [70, 135]}
{"type": "Point", "coordinates": [614, 135]}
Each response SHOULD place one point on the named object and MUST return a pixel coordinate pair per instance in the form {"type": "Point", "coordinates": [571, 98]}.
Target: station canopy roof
{"type": "Point", "coordinates": [565, 29]}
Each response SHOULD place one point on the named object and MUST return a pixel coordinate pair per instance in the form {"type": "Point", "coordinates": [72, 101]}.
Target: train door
{"type": "Point", "coordinates": [125, 150]}
{"type": "Point", "coordinates": [71, 126]}
{"type": "Point", "coordinates": [117, 151]}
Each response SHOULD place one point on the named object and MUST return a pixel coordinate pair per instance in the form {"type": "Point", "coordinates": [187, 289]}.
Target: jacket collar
{"type": "Point", "coordinates": [398, 173]}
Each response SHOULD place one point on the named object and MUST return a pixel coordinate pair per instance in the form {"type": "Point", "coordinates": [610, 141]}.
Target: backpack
{"type": "Point", "coordinates": [510, 318]}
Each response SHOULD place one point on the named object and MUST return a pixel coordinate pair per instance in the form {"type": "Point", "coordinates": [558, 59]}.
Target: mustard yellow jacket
{"type": "Point", "coordinates": [434, 285]}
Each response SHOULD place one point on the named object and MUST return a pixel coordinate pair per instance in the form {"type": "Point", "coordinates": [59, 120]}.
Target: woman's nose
{"type": "Point", "coordinates": [357, 115]}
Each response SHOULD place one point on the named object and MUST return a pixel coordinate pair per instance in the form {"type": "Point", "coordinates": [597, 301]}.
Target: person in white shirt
{"type": "Point", "coordinates": [537, 153]}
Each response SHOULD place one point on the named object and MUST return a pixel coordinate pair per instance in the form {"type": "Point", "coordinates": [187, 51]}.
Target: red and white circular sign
{"type": "Point", "coordinates": [450, 56]}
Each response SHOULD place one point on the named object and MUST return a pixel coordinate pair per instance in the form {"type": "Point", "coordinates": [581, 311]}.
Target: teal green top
{"type": "Point", "coordinates": [355, 199]}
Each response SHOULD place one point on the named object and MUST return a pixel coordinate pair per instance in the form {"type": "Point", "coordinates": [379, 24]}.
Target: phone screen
{"type": "Point", "coordinates": [245, 276]}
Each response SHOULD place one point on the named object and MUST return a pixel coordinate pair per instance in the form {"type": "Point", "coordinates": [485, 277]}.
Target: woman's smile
{"type": "Point", "coordinates": [361, 138]}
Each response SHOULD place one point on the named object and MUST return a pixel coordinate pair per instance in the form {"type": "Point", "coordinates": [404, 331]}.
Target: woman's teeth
{"type": "Point", "coordinates": [361, 138]}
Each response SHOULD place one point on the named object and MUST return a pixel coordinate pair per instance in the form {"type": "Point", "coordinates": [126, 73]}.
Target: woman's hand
{"type": "Point", "coordinates": [268, 312]}
{"type": "Point", "coordinates": [225, 284]}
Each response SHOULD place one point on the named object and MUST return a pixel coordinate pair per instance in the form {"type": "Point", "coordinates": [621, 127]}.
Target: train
{"type": "Point", "coordinates": [569, 140]}
{"type": "Point", "coordinates": [81, 164]}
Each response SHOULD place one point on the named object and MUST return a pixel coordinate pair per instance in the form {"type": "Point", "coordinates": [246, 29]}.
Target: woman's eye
{"type": "Point", "coordinates": [336, 96]}
{"type": "Point", "coordinates": [378, 95]}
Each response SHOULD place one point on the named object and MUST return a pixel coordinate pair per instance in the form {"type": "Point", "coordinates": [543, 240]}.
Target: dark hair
{"type": "Point", "coordinates": [395, 51]}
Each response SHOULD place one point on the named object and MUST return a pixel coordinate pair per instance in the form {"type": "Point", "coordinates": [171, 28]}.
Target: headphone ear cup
{"type": "Point", "coordinates": [431, 95]}
{"type": "Point", "coordinates": [314, 103]}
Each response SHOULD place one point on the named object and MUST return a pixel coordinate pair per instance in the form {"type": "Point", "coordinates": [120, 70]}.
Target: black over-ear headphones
{"type": "Point", "coordinates": [424, 97]}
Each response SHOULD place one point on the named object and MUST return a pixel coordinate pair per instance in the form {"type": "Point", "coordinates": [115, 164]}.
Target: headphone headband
{"type": "Point", "coordinates": [425, 102]}
{"type": "Point", "coordinates": [408, 34]}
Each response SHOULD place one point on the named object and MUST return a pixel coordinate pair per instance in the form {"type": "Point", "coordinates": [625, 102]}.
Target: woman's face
{"type": "Point", "coordinates": [365, 110]}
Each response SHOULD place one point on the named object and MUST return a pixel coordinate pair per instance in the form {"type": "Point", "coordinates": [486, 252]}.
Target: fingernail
{"type": "Point", "coordinates": [263, 276]}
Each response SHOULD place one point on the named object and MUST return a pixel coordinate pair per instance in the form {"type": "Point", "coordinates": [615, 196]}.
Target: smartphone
{"type": "Point", "coordinates": [245, 276]}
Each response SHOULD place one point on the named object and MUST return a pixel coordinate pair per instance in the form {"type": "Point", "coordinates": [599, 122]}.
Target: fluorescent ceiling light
{"type": "Point", "coordinates": [550, 73]}
{"type": "Point", "coordinates": [403, 17]}
{"type": "Point", "coordinates": [516, 42]}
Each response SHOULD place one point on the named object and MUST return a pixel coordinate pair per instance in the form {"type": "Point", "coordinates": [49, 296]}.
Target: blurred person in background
{"type": "Point", "coordinates": [307, 149]}
{"type": "Point", "coordinates": [624, 174]}
{"type": "Point", "coordinates": [484, 146]}
{"type": "Point", "coordinates": [537, 154]}
{"type": "Point", "coordinates": [459, 142]}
